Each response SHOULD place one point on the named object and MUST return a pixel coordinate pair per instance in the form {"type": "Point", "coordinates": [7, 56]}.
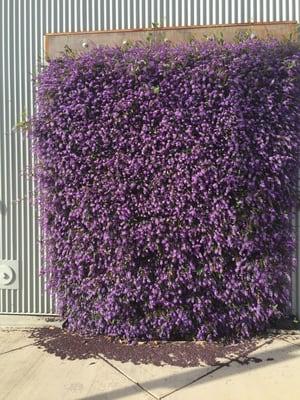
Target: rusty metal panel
{"type": "Point", "coordinates": [56, 43]}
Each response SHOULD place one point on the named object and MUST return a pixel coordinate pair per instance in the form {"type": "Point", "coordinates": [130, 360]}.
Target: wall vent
{"type": "Point", "coordinates": [9, 274]}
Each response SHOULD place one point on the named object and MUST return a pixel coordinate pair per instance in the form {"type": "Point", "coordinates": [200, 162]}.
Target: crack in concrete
{"type": "Point", "coordinates": [194, 380]}
{"type": "Point", "coordinates": [227, 364]}
{"type": "Point", "coordinates": [128, 377]}
{"type": "Point", "coordinates": [289, 341]}
{"type": "Point", "coordinates": [17, 348]}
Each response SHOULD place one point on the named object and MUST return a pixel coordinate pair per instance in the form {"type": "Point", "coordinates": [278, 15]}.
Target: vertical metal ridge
{"type": "Point", "coordinates": [8, 152]}
{"type": "Point", "coordinates": [28, 95]}
{"type": "Point", "coordinates": [13, 160]}
{"type": "Point", "coordinates": [3, 151]}
{"type": "Point", "coordinates": [16, 152]}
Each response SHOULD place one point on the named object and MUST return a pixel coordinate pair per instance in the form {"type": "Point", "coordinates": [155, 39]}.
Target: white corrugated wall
{"type": "Point", "coordinates": [23, 24]}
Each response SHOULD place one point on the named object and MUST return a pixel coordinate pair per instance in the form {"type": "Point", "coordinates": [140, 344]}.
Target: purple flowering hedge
{"type": "Point", "coordinates": [167, 184]}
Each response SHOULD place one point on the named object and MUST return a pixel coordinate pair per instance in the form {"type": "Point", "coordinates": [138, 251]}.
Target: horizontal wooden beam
{"type": "Point", "coordinates": [56, 43]}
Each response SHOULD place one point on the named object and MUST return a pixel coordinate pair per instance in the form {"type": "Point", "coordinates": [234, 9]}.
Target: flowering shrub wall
{"type": "Point", "coordinates": [167, 183]}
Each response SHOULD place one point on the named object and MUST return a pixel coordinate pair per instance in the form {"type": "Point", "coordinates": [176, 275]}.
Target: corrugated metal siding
{"type": "Point", "coordinates": [23, 24]}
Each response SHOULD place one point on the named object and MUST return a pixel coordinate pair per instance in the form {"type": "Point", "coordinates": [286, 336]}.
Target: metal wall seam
{"type": "Point", "coordinates": [23, 24]}
{"type": "Point", "coordinates": [4, 172]}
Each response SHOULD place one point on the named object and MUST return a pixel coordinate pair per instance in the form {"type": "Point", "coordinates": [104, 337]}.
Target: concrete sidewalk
{"type": "Point", "coordinates": [37, 370]}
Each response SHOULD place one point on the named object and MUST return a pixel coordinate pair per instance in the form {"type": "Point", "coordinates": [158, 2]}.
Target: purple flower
{"type": "Point", "coordinates": [167, 182]}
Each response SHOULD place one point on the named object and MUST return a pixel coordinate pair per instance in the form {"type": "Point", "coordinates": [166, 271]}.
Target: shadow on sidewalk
{"type": "Point", "coordinates": [182, 354]}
